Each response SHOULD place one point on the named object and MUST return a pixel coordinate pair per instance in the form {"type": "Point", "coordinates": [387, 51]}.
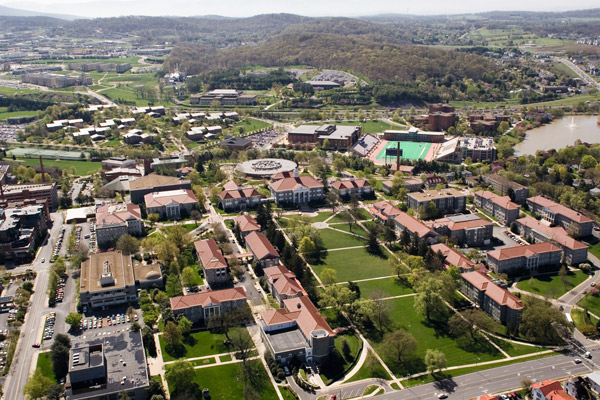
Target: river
{"type": "Point", "coordinates": [560, 133]}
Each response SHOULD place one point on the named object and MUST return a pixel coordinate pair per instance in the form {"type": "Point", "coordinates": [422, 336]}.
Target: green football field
{"type": "Point", "coordinates": [410, 150]}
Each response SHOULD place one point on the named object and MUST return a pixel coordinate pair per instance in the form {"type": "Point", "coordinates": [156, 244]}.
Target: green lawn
{"type": "Point", "coordinates": [370, 371]}
{"type": "Point", "coordinates": [595, 249]}
{"type": "Point", "coordinates": [590, 302]}
{"type": "Point", "coordinates": [251, 125]}
{"type": "Point", "coordinates": [514, 349]}
{"type": "Point", "coordinates": [356, 229]}
{"type": "Point", "coordinates": [335, 367]}
{"type": "Point", "coordinates": [337, 240]}
{"type": "Point", "coordinates": [363, 214]}
{"type": "Point", "coordinates": [355, 264]}
{"type": "Point", "coordinates": [430, 336]}
{"type": "Point", "coordinates": [187, 227]}
{"type": "Point", "coordinates": [391, 286]}
{"type": "Point", "coordinates": [552, 285]}
{"type": "Point", "coordinates": [82, 168]}
{"type": "Point", "coordinates": [45, 364]}
{"type": "Point", "coordinates": [322, 216]}
{"type": "Point", "coordinates": [339, 217]}
{"type": "Point", "coordinates": [9, 114]}
{"type": "Point", "coordinates": [206, 344]}
{"type": "Point", "coordinates": [226, 382]}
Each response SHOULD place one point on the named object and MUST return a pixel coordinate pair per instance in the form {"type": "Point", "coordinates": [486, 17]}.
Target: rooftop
{"type": "Point", "coordinates": [246, 223]}
{"type": "Point", "coordinates": [209, 254]}
{"type": "Point", "coordinates": [153, 181]}
{"type": "Point", "coordinates": [102, 270]}
{"type": "Point", "coordinates": [119, 213]}
{"type": "Point", "coordinates": [435, 194]}
{"type": "Point", "coordinates": [452, 256]}
{"type": "Point", "coordinates": [414, 225]}
{"type": "Point", "coordinates": [260, 246]}
{"type": "Point", "coordinates": [295, 182]}
{"type": "Point", "coordinates": [206, 298]}
{"type": "Point", "coordinates": [502, 201]}
{"type": "Point", "coordinates": [495, 292]}
{"type": "Point", "coordinates": [556, 233]}
{"type": "Point", "coordinates": [523, 251]}
{"type": "Point", "coordinates": [179, 196]}
{"type": "Point", "coordinates": [559, 209]}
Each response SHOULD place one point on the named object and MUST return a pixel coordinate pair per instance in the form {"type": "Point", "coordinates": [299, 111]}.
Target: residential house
{"type": "Point", "coordinates": [199, 307]}
{"type": "Point", "coordinates": [502, 305]}
{"type": "Point", "coordinates": [499, 207]}
{"type": "Point", "coordinates": [529, 257]}
{"type": "Point", "coordinates": [215, 267]}
{"type": "Point", "coordinates": [549, 390]}
{"type": "Point", "coordinates": [262, 249]}
{"type": "Point", "coordinates": [575, 223]}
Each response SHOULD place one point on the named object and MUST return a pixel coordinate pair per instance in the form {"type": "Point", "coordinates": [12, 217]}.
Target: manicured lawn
{"type": "Point", "coordinates": [367, 371]}
{"type": "Point", "coordinates": [335, 367]}
{"type": "Point", "coordinates": [204, 361]}
{"type": "Point", "coordinates": [462, 371]}
{"type": "Point", "coordinates": [595, 249]}
{"type": "Point", "coordinates": [514, 349]}
{"type": "Point", "coordinates": [251, 125]}
{"type": "Point", "coordinates": [45, 364]}
{"type": "Point", "coordinates": [590, 302]}
{"type": "Point", "coordinates": [322, 216]}
{"type": "Point", "coordinates": [339, 217]}
{"type": "Point", "coordinates": [206, 344]}
{"type": "Point", "coordinates": [355, 264]}
{"type": "Point", "coordinates": [430, 336]}
{"type": "Point", "coordinates": [337, 240]}
{"type": "Point", "coordinates": [552, 285]}
{"type": "Point", "coordinates": [82, 168]}
{"type": "Point", "coordinates": [356, 229]}
{"type": "Point", "coordinates": [333, 319]}
{"type": "Point", "coordinates": [391, 286]}
{"type": "Point", "coordinates": [187, 227]}
{"type": "Point", "coordinates": [226, 382]}
{"type": "Point", "coordinates": [10, 114]}
{"type": "Point", "coordinates": [363, 214]}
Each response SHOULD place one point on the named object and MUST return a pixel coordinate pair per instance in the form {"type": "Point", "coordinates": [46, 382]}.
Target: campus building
{"type": "Point", "coordinates": [41, 191]}
{"type": "Point", "coordinates": [413, 135]}
{"type": "Point", "coordinates": [246, 224]}
{"type": "Point", "coordinates": [499, 207]}
{"type": "Point", "coordinates": [115, 220]}
{"type": "Point", "coordinates": [453, 257]}
{"type": "Point", "coordinates": [236, 197]}
{"type": "Point", "coordinates": [226, 97]}
{"type": "Point", "coordinates": [213, 262]}
{"type": "Point", "coordinates": [466, 229]}
{"type": "Point", "coordinates": [297, 189]}
{"type": "Point", "coordinates": [22, 228]}
{"type": "Point", "coordinates": [384, 210]}
{"type": "Point", "coordinates": [262, 249]}
{"type": "Point", "coordinates": [172, 204]}
{"type": "Point", "coordinates": [575, 223]}
{"type": "Point", "coordinates": [340, 137]}
{"type": "Point", "coordinates": [404, 222]}
{"type": "Point", "coordinates": [283, 283]}
{"type": "Point", "coordinates": [199, 307]}
{"type": "Point", "coordinates": [502, 305]}
{"type": "Point", "coordinates": [447, 201]}
{"type": "Point", "coordinates": [155, 183]}
{"type": "Point", "coordinates": [529, 257]}
{"type": "Point", "coordinates": [517, 192]}
{"type": "Point", "coordinates": [353, 187]}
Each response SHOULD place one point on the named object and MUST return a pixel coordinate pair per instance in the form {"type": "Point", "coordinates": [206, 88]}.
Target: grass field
{"type": "Point", "coordinates": [336, 367]}
{"type": "Point", "coordinates": [391, 286]}
{"type": "Point", "coordinates": [45, 364]}
{"type": "Point", "coordinates": [322, 216]}
{"type": "Point", "coordinates": [366, 372]}
{"type": "Point", "coordinates": [251, 125]}
{"type": "Point", "coordinates": [552, 285]}
{"type": "Point", "coordinates": [6, 114]}
{"type": "Point", "coordinates": [355, 264]}
{"type": "Point", "coordinates": [590, 302]}
{"type": "Point", "coordinates": [206, 344]}
{"type": "Point", "coordinates": [356, 229]}
{"type": "Point", "coordinates": [336, 240]}
{"type": "Point", "coordinates": [514, 349]}
{"type": "Point", "coordinates": [430, 336]}
{"type": "Point", "coordinates": [410, 150]}
{"type": "Point", "coordinates": [226, 382]}
{"type": "Point", "coordinates": [82, 168]}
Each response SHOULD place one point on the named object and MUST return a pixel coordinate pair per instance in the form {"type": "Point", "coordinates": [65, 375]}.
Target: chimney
{"type": "Point", "coordinates": [147, 168]}
{"type": "Point", "coordinates": [296, 173]}
{"type": "Point", "coordinates": [42, 169]}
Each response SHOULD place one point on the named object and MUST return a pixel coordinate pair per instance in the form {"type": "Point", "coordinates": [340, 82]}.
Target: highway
{"type": "Point", "coordinates": [581, 73]}
{"type": "Point", "coordinates": [31, 330]}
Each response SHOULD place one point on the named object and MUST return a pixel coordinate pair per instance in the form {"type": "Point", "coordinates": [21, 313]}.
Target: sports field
{"type": "Point", "coordinates": [410, 151]}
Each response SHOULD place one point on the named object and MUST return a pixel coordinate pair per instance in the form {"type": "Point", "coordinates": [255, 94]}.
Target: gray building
{"type": "Point", "coordinates": [499, 207]}
{"type": "Point", "coordinates": [517, 192]}
{"type": "Point", "coordinates": [529, 257]}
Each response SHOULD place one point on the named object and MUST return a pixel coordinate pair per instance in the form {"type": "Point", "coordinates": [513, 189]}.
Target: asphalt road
{"type": "Point", "coordinates": [32, 329]}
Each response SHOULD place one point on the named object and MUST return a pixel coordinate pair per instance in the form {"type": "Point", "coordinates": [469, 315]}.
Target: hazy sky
{"type": "Point", "coordinates": [243, 8]}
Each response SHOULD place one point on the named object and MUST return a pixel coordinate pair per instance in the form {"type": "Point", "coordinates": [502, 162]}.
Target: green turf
{"type": "Point", "coordinates": [337, 240]}
{"type": "Point", "coordinates": [514, 349]}
{"type": "Point", "coordinates": [355, 264]}
{"type": "Point", "coordinates": [251, 125]}
{"type": "Point", "coordinates": [226, 381]}
{"type": "Point", "coordinates": [204, 361]}
{"type": "Point", "coordinates": [339, 217]}
{"type": "Point", "coordinates": [356, 229]}
{"type": "Point", "coordinates": [206, 344]}
{"type": "Point", "coordinates": [322, 216]}
{"type": "Point", "coordinates": [410, 150]}
{"type": "Point", "coordinates": [590, 302]}
{"type": "Point", "coordinates": [334, 370]}
{"type": "Point", "coordinates": [45, 364]}
{"type": "Point", "coordinates": [370, 371]}
{"type": "Point", "coordinates": [552, 285]}
{"type": "Point", "coordinates": [10, 114]}
{"type": "Point", "coordinates": [82, 168]}
{"type": "Point", "coordinates": [429, 336]}
{"type": "Point", "coordinates": [391, 286]}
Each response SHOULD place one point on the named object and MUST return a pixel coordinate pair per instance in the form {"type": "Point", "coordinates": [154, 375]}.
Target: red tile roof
{"type": "Point", "coordinates": [559, 209]}
{"type": "Point", "coordinates": [309, 318]}
{"type": "Point", "coordinates": [284, 281]}
{"type": "Point", "coordinates": [239, 193]}
{"type": "Point", "coordinates": [452, 256]}
{"type": "Point", "coordinates": [386, 208]}
{"type": "Point", "coordinates": [414, 225]}
{"type": "Point", "coordinates": [278, 316]}
{"type": "Point", "coordinates": [502, 201]}
{"type": "Point", "coordinates": [552, 390]}
{"type": "Point", "coordinates": [293, 183]}
{"type": "Point", "coordinates": [231, 185]}
{"type": "Point", "coordinates": [281, 175]}
{"type": "Point", "coordinates": [209, 254]}
{"type": "Point", "coordinates": [523, 251]}
{"type": "Point", "coordinates": [179, 196]}
{"type": "Point", "coordinates": [246, 223]}
{"type": "Point", "coordinates": [260, 246]}
{"type": "Point", "coordinates": [209, 297]}
{"type": "Point", "coordinates": [493, 291]}
{"type": "Point", "coordinates": [350, 184]}
{"type": "Point", "coordinates": [460, 225]}
{"type": "Point", "coordinates": [116, 214]}
{"type": "Point", "coordinates": [556, 233]}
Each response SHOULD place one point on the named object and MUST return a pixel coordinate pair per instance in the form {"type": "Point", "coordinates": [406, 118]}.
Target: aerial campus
{"type": "Point", "coordinates": [252, 208]}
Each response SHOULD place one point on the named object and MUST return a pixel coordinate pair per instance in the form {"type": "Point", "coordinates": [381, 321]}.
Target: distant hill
{"type": "Point", "coordinates": [15, 12]}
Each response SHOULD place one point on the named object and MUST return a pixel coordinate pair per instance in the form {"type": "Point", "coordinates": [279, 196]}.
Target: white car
{"type": "Point", "coordinates": [43, 260]}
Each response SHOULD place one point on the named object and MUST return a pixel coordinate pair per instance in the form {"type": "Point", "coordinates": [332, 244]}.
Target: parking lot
{"type": "Point", "coordinates": [264, 139]}
{"type": "Point", "coordinates": [8, 133]}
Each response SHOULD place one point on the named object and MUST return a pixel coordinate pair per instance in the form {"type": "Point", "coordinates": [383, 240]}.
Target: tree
{"type": "Point", "coordinates": [337, 297]}
{"type": "Point", "coordinates": [564, 278]}
{"type": "Point", "coordinates": [380, 309]}
{"type": "Point", "coordinates": [124, 395]}
{"type": "Point", "coordinates": [180, 377]}
{"type": "Point", "coordinates": [543, 323]}
{"type": "Point", "coordinates": [188, 276]}
{"type": "Point", "coordinates": [185, 326]}
{"type": "Point", "coordinates": [431, 210]}
{"type": "Point", "coordinates": [415, 262]}
{"type": "Point", "coordinates": [372, 242]}
{"type": "Point", "coordinates": [172, 335]}
{"type": "Point", "coordinates": [328, 276]}
{"type": "Point", "coordinates": [588, 161]}
{"type": "Point", "coordinates": [325, 145]}
{"type": "Point", "coordinates": [432, 291]}
{"type": "Point", "coordinates": [399, 345]}
{"type": "Point", "coordinates": [37, 385]}
{"type": "Point", "coordinates": [59, 355]}
{"type": "Point", "coordinates": [435, 361]}
{"type": "Point", "coordinates": [166, 252]}
{"type": "Point", "coordinates": [346, 350]}
{"type": "Point", "coordinates": [196, 216]}
{"type": "Point", "coordinates": [128, 244]}
{"type": "Point", "coordinates": [242, 343]}
{"type": "Point", "coordinates": [307, 248]}
{"type": "Point", "coordinates": [349, 219]}
{"type": "Point", "coordinates": [153, 218]}
{"type": "Point", "coordinates": [74, 319]}
{"type": "Point", "coordinates": [54, 392]}
{"type": "Point", "coordinates": [389, 232]}
{"type": "Point", "coordinates": [178, 235]}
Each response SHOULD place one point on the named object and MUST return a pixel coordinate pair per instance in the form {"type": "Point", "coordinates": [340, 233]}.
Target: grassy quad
{"type": "Point", "coordinates": [337, 364]}
{"type": "Point", "coordinates": [592, 303]}
{"type": "Point", "coordinates": [370, 371]}
{"type": "Point", "coordinates": [337, 240]}
{"type": "Point", "coordinates": [552, 285]}
{"type": "Point", "coordinates": [82, 168]}
{"type": "Point", "coordinates": [203, 343]}
{"type": "Point", "coordinates": [391, 286]}
{"type": "Point", "coordinates": [429, 336]}
{"type": "Point", "coordinates": [355, 264]}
